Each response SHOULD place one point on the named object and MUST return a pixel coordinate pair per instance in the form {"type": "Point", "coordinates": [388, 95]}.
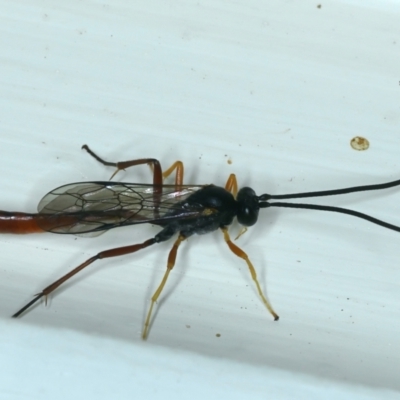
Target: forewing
{"type": "Point", "coordinates": [93, 207]}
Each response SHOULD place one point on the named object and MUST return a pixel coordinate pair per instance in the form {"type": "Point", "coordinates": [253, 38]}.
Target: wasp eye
{"type": "Point", "coordinates": [248, 206]}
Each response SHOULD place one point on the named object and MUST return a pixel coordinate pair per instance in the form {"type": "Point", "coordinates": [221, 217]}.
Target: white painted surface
{"type": "Point", "coordinates": [279, 89]}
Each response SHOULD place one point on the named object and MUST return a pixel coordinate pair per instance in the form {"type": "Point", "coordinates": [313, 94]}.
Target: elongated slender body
{"type": "Point", "coordinates": [91, 208]}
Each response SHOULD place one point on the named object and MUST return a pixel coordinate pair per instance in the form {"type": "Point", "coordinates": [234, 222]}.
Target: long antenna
{"type": "Point", "coordinates": [266, 197]}
{"type": "Point", "coordinates": [333, 209]}
{"type": "Point", "coordinates": [263, 201]}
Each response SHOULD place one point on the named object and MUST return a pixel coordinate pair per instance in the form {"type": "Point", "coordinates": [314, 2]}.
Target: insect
{"type": "Point", "coordinates": [91, 208]}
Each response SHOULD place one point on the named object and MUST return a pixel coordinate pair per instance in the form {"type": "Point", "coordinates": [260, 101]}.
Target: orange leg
{"type": "Point", "coordinates": [158, 175]}
{"type": "Point", "coordinates": [240, 253]}
{"type": "Point", "coordinates": [122, 165]}
{"type": "Point", "coordinates": [170, 265]}
{"type": "Point", "coordinates": [120, 251]}
{"type": "Point", "coordinates": [178, 166]}
{"type": "Point", "coordinates": [114, 253]}
{"type": "Point", "coordinates": [231, 184]}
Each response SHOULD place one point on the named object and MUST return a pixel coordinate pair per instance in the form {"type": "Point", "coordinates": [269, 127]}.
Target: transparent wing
{"type": "Point", "coordinates": [93, 207]}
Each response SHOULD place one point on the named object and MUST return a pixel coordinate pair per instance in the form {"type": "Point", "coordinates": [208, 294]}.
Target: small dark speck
{"type": "Point", "coordinates": [218, 335]}
{"type": "Point", "coordinates": [359, 143]}
{"type": "Point", "coordinates": [319, 6]}
{"type": "Point", "coordinates": [188, 326]}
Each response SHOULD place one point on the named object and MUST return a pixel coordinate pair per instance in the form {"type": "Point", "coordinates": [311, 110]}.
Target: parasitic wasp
{"type": "Point", "coordinates": [91, 208]}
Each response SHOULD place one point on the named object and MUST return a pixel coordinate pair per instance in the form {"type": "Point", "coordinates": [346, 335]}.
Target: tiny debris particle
{"type": "Point", "coordinates": [218, 335]}
{"type": "Point", "coordinates": [359, 143]}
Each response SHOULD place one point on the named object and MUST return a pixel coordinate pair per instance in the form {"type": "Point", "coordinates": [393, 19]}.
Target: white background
{"type": "Point", "coordinates": [271, 91]}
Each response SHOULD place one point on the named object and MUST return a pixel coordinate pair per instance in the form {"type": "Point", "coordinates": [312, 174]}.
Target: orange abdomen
{"type": "Point", "coordinates": [17, 222]}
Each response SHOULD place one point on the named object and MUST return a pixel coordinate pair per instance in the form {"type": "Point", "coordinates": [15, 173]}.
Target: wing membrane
{"type": "Point", "coordinates": [93, 207]}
